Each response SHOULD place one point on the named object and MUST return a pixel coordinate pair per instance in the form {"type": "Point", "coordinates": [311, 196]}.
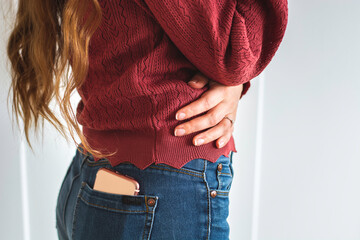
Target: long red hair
{"type": "Point", "coordinates": [47, 38]}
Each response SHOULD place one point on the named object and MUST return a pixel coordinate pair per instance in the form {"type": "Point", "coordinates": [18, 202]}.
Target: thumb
{"type": "Point", "coordinates": [198, 81]}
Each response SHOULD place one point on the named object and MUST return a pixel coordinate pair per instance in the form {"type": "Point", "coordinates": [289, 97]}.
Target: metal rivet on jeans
{"type": "Point", "coordinates": [213, 193]}
{"type": "Point", "coordinates": [220, 166]}
{"type": "Point", "coordinates": [151, 202]}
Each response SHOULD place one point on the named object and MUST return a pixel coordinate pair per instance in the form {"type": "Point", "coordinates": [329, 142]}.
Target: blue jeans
{"type": "Point", "coordinates": [187, 203]}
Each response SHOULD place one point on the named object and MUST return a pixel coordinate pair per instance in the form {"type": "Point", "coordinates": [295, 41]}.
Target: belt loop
{"type": "Point", "coordinates": [83, 153]}
{"type": "Point", "coordinates": [83, 150]}
{"type": "Point", "coordinates": [84, 159]}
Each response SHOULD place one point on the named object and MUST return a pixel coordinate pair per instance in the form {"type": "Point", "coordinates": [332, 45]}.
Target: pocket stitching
{"type": "Point", "coordinates": [222, 193]}
{"type": "Point", "coordinates": [96, 195]}
{"type": "Point", "coordinates": [223, 173]}
{"type": "Point", "coordinates": [61, 188]}
{"type": "Point", "coordinates": [68, 195]}
{"type": "Point", "coordinates": [173, 170]}
{"type": "Point", "coordinates": [146, 218]}
{"type": "Point", "coordinates": [108, 208]}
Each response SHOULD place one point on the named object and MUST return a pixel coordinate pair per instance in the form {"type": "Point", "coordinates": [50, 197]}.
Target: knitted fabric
{"type": "Point", "coordinates": [144, 53]}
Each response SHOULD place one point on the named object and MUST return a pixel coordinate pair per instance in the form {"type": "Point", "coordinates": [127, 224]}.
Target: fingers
{"type": "Point", "coordinates": [198, 81]}
{"type": "Point", "coordinates": [217, 101]}
{"type": "Point", "coordinates": [207, 101]}
{"type": "Point", "coordinates": [224, 139]}
{"type": "Point", "coordinates": [222, 131]}
{"type": "Point", "coordinates": [210, 119]}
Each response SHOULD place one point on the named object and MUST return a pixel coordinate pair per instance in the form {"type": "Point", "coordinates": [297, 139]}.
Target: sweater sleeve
{"type": "Point", "coordinates": [246, 87]}
{"type": "Point", "coordinates": [229, 41]}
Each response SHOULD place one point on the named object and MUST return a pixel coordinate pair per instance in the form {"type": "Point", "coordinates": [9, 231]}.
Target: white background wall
{"type": "Point", "coordinates": [297, 135]}
{"type": "Point", "coordinates": [306, 132]}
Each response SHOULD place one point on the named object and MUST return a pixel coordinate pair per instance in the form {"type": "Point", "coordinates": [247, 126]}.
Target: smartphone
{"type": "Point", "coordinates": [111, 181]}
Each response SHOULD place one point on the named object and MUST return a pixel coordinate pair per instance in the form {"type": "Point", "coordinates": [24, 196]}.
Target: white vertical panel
{"type": "Point", "coordinates": [11, 225]}
{"type": "Point", "coordinates": [241, 194]}
{"type": "Point", "coordinates": [258, 159]}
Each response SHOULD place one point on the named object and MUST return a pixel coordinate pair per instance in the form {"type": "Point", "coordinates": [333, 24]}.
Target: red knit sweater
{"type": "Point", "coordinates": [144, 53]}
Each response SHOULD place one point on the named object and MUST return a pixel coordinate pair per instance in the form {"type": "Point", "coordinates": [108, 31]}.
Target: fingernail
{"type": "Point", "coordinates": [194, 80]}
{"type": "Point", "coordinates": [180, 116]}
{"type": "Point", "coordinates": [221, 143]}
{"type": "Point", "coordinates": [199, 141]}
{"type": "Point", "coordinates": [179, 132]}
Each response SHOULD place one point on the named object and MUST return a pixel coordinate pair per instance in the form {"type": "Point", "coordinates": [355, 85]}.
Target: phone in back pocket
{"type": "Point", "coordinates": [111, 181]}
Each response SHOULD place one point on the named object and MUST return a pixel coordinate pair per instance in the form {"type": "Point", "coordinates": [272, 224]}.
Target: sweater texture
{"type": "Point", "coordinates": [142, 56]}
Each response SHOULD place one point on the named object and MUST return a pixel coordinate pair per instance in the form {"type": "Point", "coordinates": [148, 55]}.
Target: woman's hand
{"type": "Point", "coordinates": [220, 101]}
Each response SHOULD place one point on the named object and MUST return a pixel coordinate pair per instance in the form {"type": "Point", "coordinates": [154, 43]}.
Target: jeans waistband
{"type": "Point", "coordinates": [201, 164]}
{"type": "Point", "coordinates": [198, 164]}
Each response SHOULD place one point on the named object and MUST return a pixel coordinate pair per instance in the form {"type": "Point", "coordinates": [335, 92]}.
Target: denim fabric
{"type": "Point", "coordinates": [172, 203]}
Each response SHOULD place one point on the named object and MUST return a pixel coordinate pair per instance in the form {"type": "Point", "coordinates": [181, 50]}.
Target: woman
{"type": "Point", "coordinates": [131, 62]}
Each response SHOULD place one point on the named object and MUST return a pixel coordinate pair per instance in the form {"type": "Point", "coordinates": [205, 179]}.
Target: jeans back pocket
{"type": "Point", "coordinates": [101, 215]}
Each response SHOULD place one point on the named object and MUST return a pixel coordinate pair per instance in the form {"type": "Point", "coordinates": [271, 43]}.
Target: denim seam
{"type": "Point", "coordinates": [232, 170]}
{"type": "Point", "coordinates": [109, 208]}
{"type": "Point", "coordinates": [218, 179]}
{"type": "Point", "coordinates": [199, 173]}
{"type": "Point", "coordinates": [62, 224]}
{"type": "Point", "coordinates": [68, 194]}
{"type": "Point", "coordinates": [75, 213]}
{"type": "Point", "coordinates": [220, 186]}
{"type": "Point", "coordinates": [152, 217]}
{"type": "Point", "coordinates": [172, 170]}
{"type": "Point", "coordinates": [223, 193]}
{"type": "Point", "coordinates": [97, 164]}
{"type": "Point", "coordinates": [61, 228]}
{"type": "Point", "coordinates": [208, 201]}
{"type": "Point", "coordinates": [222, 173]}
{"type": "Point", "coordinates": [143, 236]}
